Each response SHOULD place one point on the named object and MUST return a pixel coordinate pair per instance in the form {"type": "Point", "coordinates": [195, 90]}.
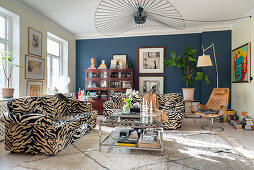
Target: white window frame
{"type": "Point", "coordinates": [63, 57]}
{"type": "Point", "coordinates": [13, 35]}
{"type": "Point", "coordinates": [7, 41]}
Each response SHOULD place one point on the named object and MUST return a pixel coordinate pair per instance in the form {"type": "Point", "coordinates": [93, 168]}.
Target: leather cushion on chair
{"type": "Point", "coordinates": [208, 111]}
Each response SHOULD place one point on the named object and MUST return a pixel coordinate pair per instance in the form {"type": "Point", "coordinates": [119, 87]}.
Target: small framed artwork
{"type": "Point", "coordinates": [241, 64]}
{"type": "Point", "coordinates": [34, 88]}
{"type": "Point", "coordinates": [121, 60]}
{"type": "Point", "coordinates": [151, 84]}
{"type": "Point", "coordinates": [34, 42]}
{"type": "Point", "coordinates": [35, 68]}
{"type": "Point", "coordinates": [150, 60]}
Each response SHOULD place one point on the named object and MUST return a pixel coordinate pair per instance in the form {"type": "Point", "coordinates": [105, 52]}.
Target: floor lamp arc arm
{"type": "Point", "coordinates": [212, 45]}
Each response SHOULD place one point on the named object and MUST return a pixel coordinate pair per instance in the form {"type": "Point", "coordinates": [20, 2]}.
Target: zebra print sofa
{"type": "Point", "coordinates": [171, 102]}
{"type": "Point", "coordinates": [46, 124]}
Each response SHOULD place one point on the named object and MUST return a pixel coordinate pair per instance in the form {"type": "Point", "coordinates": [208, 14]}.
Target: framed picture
{"type": "Point", "coordinates": [34, 42]}
{"type": "Point", "coordinates": [151, 84]}
{"type": "Point", "coordinates": [241, 64]}
{"type": "Point", "coordinates": [35, 67]}
{"type": "Point", "coordinates": [34, 88]}
{"type": "Point", "coordinates": [120, 60]}
{"type": "Point", "coordinates": [150, 60]}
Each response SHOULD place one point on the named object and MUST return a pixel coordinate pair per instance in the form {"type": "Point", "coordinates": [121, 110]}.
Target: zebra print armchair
{"type": "Point", "coordinates": [46, 124]}
{"type": "Point", "coordinates": [170, 102]}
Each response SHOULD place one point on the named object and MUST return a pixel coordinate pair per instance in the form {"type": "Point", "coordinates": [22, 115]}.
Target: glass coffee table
{"type": "Point", "coordinates": [150, 125]}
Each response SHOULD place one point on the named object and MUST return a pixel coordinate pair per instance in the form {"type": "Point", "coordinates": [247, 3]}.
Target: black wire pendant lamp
{"type": "Point", "coordinates": [113, 17]}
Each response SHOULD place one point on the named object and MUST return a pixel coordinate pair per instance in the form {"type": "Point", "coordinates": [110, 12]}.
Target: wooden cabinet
{"type": "Point", "coordinates": [105, 80]}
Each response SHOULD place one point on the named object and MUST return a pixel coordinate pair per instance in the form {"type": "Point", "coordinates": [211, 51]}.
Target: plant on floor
{"type": "Point", "coordinates": [187, 65]}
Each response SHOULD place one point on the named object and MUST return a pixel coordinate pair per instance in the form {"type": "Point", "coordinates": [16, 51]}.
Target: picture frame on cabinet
{"type": "Point", "coordinates": [121, 60]}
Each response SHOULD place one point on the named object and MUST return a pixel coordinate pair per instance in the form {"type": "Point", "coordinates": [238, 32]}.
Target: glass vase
{"type": "Point", "coordinates": [126, 109]}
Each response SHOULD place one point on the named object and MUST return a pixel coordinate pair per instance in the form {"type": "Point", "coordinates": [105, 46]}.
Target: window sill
{"type": "Point", "coordinates": [3, 99]}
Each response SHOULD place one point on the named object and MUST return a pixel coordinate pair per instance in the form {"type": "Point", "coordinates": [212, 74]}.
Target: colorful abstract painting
{"type": "Point", "coordinates": [241, 64]}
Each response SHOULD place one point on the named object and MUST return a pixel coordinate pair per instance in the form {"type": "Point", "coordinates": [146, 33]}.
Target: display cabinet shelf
{"type": "Point", "coordinates": [105, 80]}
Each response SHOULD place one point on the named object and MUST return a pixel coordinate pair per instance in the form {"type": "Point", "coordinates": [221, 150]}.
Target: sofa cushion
{"type": "Point", "coordinates": [75, 106]}
{"type": "Point", "coordinates": [169, 97]}
{"type": "Point", "coordinates": [116, 95]}
{"type": "Point", "coordinates": [75, 120]}
{"type": "Point", "coordinates": [52, 107]}
{"type": "Point", "coordinates": [23, 105]}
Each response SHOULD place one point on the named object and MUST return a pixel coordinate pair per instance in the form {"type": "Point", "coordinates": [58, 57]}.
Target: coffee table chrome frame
{"type": "Point", "coordinates": [160, 128]}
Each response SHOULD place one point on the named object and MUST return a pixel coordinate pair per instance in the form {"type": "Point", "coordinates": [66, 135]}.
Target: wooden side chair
{"type": "Point", "coordinates": [215, 107]}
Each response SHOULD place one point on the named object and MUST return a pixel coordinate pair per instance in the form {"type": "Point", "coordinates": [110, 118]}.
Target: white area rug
{"type": "Point", "coordinates": [182, 150]}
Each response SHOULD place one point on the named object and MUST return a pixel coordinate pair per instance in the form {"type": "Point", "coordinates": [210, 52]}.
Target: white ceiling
{"type": "Point", "coordinates": [77, 16]}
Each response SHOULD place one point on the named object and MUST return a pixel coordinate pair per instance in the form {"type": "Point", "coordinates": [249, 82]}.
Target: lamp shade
{"type": "Point", "coordinates": [204, 61]}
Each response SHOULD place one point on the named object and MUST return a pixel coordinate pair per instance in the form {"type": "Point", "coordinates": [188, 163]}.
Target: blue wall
{"type": "Point", "coordinates": [222, 42]}
{"type": "Point", "coordinates": [105, 48]}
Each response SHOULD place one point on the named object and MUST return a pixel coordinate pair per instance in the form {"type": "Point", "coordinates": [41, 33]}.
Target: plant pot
{"type": "Point", "coordinates": [7, 92]}
{"type": "Point", "coordinates": [188, 94]}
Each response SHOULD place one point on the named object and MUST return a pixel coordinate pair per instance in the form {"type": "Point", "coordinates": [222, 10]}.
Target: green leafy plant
{"type": "Point", "coordinates": [127, 102]}
{"type": "Point", "coordinates": [7, 64]}
{"type": "Point", "coordinates": [187, 65]}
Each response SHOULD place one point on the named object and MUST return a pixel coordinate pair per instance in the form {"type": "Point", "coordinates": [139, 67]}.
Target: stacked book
{"type": "Point", "coordinates": [249, 123]}
{"type": "Point", "coordinates": [149, 139]}
{"type": "Point", "coordinates": [237, 124]}
{"type": "Point", "coordinates": [128, 138]}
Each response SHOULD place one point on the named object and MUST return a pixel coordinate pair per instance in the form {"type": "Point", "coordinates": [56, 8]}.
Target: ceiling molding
{"type": "Point", "coordinates": [42, 16]}
{"type": "Point", "coordinates": [158, 32]}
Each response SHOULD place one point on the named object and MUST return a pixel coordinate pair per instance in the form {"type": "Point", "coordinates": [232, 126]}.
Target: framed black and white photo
{"type": "Point", "coordinates": [34, 42]}
{"type": "Point", "coordinates": [150, 60]}
{"type": "Point", "coordinates": [120, 60]}
{"type": "Point", "coordinates": [151, 84]}
{"type": "Point", "coordinates": [35, 68]}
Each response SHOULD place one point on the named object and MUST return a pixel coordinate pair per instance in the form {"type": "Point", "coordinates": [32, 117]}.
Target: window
{"type": "Point", "coordinates": [5, 44]}
{"type": "Point", "coordinates": [57, 63]}
{"type": "Point", "coordinates": [54, 62]}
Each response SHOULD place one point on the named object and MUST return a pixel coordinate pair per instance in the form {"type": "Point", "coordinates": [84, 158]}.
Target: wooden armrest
{"type": "Point", "coordinates": [222, 110]}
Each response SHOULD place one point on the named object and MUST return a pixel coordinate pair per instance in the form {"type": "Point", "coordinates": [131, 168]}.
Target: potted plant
{"type": "Point", "coordinates": [7, 64]}
{"type": "Point", "coordinates": [188, 66]}
{"type": "Point", "coordinates": [127, 101]}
